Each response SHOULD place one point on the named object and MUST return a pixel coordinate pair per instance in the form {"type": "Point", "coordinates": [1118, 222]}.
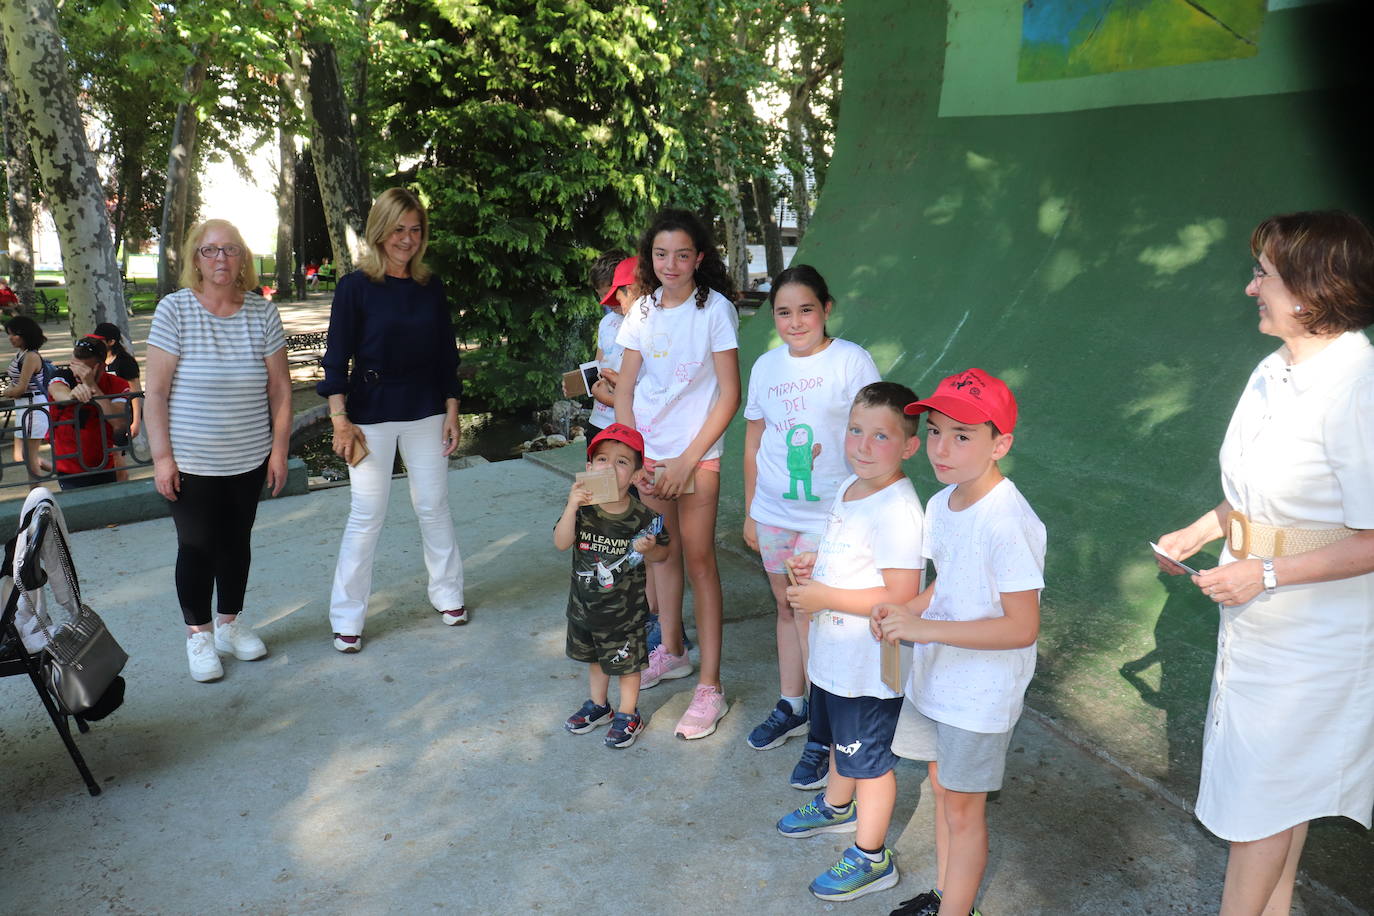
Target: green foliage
{"type": "Point", "coordinates": [535, 133]}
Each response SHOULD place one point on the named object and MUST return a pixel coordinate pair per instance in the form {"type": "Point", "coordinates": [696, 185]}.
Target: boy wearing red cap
{"type": "Point", "coordinates": [607, 608]}
{"type": "Point", "coordinates": [613, 279]}
{"type": "Point", "coordinates": [974, 628]}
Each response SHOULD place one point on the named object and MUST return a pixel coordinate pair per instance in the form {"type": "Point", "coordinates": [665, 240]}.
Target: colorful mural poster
{"type": "Point", "coordinates": [1069, 38]}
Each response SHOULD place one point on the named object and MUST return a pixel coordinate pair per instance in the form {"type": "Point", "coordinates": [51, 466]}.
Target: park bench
{"type": "Point", "coordinates": [305, 349]}
{"type": "Point", "coordinates": [47, 305]}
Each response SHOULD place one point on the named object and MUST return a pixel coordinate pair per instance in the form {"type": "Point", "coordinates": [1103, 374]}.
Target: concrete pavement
{"type": "Point", "coordinates": [431, 773]}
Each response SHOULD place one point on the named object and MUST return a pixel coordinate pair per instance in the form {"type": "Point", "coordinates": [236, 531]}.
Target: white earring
{"type": "Point", "coordinates": [1297, 308]}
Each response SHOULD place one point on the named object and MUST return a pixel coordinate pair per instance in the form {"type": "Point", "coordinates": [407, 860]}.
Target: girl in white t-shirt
{"type": "Point", "coordinates": [797, 407]}
{"type": "Point", "coordinates": [682, 353]}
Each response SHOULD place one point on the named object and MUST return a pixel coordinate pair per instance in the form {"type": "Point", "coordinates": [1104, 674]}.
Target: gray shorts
{"type": "Point", "coordinates": [969, 761]}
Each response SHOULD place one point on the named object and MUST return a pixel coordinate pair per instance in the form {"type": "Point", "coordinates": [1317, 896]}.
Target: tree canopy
{"type": "Point", "coordinates": [539, 132]}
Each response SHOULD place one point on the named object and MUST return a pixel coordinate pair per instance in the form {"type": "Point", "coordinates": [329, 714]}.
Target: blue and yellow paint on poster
{"type": "Point", "coordinates": [1070, 38]}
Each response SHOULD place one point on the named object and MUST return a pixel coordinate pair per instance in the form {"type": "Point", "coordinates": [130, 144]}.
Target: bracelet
{"type": "Point", "coordinates": [338, 413]}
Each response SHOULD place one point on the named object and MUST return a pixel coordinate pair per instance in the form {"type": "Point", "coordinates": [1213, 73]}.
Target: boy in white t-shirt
{"type": "Point", "coordinates": [612, 278]}
{"type": "Point", "coordinates": [974, 628]}
{"type": "Point", "coordinates": [870, 554]}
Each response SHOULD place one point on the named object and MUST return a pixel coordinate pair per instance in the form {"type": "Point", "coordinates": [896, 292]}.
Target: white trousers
{"type": "Point", "coordinates": [422, 450]}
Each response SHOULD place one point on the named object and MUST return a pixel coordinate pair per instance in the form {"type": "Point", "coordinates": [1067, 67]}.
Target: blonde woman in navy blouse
{"type": "Point", "coordinates": [391, 377]}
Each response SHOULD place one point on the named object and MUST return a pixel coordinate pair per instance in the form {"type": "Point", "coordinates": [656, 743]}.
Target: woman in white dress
{"type": "Point", "coordinates": [1290, 724]}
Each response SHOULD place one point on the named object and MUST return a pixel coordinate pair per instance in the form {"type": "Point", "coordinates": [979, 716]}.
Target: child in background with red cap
{"type": "Point", "coordinates": [613, 280]}
{"type": "Point", "coordinates": [607, 608]}
{"type": "Point", "coordinates": [974, 628]}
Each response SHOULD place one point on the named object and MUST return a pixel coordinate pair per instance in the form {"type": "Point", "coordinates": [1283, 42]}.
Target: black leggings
{"type": "Point", "coordinates": [214, 518]}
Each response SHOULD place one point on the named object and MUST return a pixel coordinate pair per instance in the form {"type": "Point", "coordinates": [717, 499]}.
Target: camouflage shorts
{"type": "Point", "coordinates": [624, 650]}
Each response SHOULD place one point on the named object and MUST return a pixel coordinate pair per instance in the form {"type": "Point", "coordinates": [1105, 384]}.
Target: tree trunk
{"type": "Point", "coordinates": [46, 98]}
{"type": "Point", "coordinates": [179, 160]}
{"type": "Point", "coordinates": [362, 126]}
{"type": "Point", "coordinates": [286, 204]}
{"type": "Point", "coordinates": [19, 196]}
{"type": "Point", "coordinates": [335, 152]}
{"type": "Point", "coordinates": [772, 237]}
{"type": "Point", "coordinates": [796, 164]}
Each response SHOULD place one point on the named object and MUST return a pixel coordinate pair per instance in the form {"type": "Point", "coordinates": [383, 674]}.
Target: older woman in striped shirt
{"type": "Point", "coordinates": [217, 409]}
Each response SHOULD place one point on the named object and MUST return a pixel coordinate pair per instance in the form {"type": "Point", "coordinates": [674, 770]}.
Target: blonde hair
{"type": "Point", "coordinates": [387, 210]}
{"type": "Point", "coordinates": [190, 273]}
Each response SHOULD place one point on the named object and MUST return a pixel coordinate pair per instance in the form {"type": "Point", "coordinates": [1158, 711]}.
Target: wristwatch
{"type": "Point", "coordinates": [1271, 582]}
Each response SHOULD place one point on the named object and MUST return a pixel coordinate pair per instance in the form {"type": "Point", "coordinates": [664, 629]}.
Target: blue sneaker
{"type": "Point", "coordinates": [817, 817]}
{"type": "Point", "coordinates": [655, 636]}
{"type": "Point", "coordinates": [782, 723]}
{"type": "Point", "coordinates": [625, 728]}
{"type": "Point", "coordinates": [855, 875]}
{"type": "Point", "coordinates": [813, 770]}
{"type": "Point", "coordinates": [588, 717]}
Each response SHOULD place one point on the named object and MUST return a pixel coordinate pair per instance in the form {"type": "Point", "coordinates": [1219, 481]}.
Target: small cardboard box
{"type": "Point", "coordinates": [602, 485]}
{"type": "Point", "coordinates": [691, 486]}
{"type": "Point", "coordinates": [892, 666]}
{"type": "Point", "coordinates": [578, 383]}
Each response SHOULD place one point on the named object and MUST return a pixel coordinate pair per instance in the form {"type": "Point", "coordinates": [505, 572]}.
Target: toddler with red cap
{"type": "Point", "coordinates": [974, 629]}
{"type": "Point", "coordinates": [607, 607]}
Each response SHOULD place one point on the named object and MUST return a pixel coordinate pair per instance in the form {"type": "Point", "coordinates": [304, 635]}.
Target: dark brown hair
{"type": "Point", "coordinates": [710, 274]}
{"type": "Point", "coordinates": [602, 273]}
{"type": "Point", "coordinates": [1326, 259]}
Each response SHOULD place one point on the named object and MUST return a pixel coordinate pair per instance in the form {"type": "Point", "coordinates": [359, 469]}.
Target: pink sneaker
{"type": "Point", "coordinates": [707, 708]}
{"type": "Point", "coordinates": [664, 665]}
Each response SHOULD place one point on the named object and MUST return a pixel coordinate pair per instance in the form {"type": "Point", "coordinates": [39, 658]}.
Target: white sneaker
{"type": "Point", "coordinates": [238, 641]}
{"type": "Point", "coordinates": [200, 652]}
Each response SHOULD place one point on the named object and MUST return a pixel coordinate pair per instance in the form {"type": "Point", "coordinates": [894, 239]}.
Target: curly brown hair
{"type": "Point", "coordinates": [711, 273]}
{"type": "Point", "coordinates": [1326, 259]}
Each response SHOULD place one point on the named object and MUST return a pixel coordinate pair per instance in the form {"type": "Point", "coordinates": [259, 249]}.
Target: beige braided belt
{"type": "Point", "coordinates": [1251, 539]}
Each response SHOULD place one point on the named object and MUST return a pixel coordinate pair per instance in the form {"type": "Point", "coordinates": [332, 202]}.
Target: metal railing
{"type": "Point", "coordinates": [118, 451]}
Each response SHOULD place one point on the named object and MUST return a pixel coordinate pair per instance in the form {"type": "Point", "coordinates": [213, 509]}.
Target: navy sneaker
{"type": "Point", "coordinates": [817, 817]}
{"type": "Point", "coordinates": [927, 904]}
{"type": "Point", "coordinates": [855, 875]}
{"type": "Point", "coordinates": [813, 770]}
{"type": "Point", "coordinates": [655, 636]}
{"type": "Point", "coordinates": [782, 723]}
{"type": "Point", "coordinates": [625, 728]}
{"type": "Point", "coordinates": [588, 718]}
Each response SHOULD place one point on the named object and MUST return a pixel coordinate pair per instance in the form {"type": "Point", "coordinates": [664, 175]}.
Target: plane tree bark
{"type": "Point", "coordinates": [45, 96]}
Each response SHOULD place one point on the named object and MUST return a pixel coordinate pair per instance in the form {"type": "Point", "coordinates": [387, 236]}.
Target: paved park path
{"type": "Point", "coordinates": [431, 771]}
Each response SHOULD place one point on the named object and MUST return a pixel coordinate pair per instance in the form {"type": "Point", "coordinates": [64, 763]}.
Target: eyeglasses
{"type": "Point", "coordinates": [1259, 272]}
{"type": "Point", "coordinates": [210, 252]}
{"type": "Point", "coordinates": [86, 348]}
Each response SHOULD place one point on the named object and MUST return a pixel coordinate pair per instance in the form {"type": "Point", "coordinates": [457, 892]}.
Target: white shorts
{"type": "Point", "coordinates": [30, 420]}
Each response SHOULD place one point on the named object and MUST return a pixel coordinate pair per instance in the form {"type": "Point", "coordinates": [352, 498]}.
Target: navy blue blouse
{"type": "Point", "coordinates": [398, 337]}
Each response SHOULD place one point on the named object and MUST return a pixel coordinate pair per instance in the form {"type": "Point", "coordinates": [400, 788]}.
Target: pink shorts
{"type": "Point", "coordinates": [777, 544]}
{"type": "Point", "coordinates": [709, 464]}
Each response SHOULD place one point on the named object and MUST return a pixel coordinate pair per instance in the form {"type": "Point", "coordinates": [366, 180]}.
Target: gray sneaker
{"type": "Point", "coordinates": [204, 661]}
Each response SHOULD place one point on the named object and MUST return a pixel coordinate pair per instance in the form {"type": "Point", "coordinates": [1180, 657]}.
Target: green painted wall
{"type": "Point", "coordinates": [1095, 258]}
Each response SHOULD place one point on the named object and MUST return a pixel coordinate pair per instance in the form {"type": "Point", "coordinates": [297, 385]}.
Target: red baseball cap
{"type": "Point", "coordinates": [972, 396]}
{"type": "Point", "coordinates": [624, 276]}
{"type": "Point", "coordinates": [618, 432]}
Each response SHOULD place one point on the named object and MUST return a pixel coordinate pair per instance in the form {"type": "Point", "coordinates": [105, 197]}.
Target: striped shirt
{"type": "Point", "coordinates": [219, 419]}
